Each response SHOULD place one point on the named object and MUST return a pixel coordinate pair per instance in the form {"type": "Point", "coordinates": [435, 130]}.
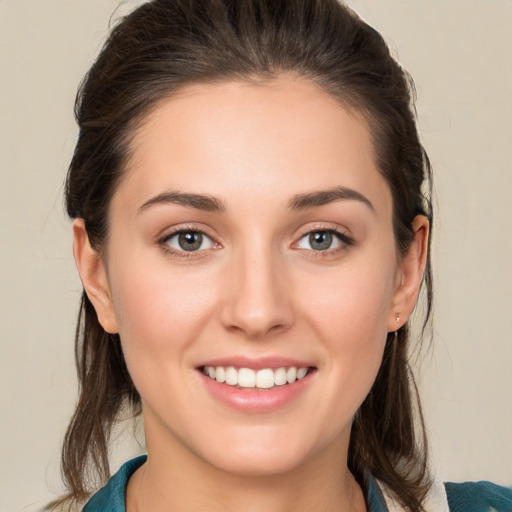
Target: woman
{"type": "Point", "coordinates": [252, 225]}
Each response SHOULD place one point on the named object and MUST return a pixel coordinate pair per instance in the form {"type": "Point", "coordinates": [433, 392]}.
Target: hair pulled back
{"type": "Point", "coordinates": [158, 49]}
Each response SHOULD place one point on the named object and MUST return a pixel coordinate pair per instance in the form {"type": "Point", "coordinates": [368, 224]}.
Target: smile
{"type": "Point", "coordinates": [265, 378]}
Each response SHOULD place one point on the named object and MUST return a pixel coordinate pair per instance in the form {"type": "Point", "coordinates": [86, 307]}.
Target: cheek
{"type": "Point", "coordinates": [349, 310]}
{"type": "Point", "coordinates": [159, 311]}
{"type": "Point", "coordinates": [161, 315]}
{"type": "Point", "coordinates": [351, 303]}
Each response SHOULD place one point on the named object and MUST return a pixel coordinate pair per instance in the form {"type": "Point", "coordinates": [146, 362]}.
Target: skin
{"type": "Point", "coordinates": [257, 289]}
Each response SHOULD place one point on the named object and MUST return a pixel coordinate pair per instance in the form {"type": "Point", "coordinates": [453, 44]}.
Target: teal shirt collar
{"type": "Point", "coordinates": [111, 497]}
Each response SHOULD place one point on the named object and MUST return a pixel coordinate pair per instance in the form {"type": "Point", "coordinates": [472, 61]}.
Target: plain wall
{"type": "Point", "coordinates": [459, 53]}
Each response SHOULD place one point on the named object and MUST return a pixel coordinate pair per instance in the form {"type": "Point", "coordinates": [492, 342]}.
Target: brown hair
{"type": "Point", "coordinates": [158, 49]}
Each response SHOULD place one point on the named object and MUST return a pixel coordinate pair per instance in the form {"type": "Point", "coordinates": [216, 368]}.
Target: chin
{"type": "Point", "coordinates": [262, 455]}
{"type": "Point", "coordinates": [259, 465]}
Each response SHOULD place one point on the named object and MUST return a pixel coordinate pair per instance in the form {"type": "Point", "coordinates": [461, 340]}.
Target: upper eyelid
{"type": "Point", "coordinates": [346, 239]}
{"type": "Point", "coordinates": [180, 231]}
{"type": "Point", "coordinates": [324, 227]}
{"type": "Point", "coordinates": [165, 235]}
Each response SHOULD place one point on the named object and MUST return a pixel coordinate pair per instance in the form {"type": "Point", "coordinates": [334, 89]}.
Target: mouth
{"type": "Point", "coordinates": [261, 379]}
{"type": "Point", "coordinates": [257, 385]}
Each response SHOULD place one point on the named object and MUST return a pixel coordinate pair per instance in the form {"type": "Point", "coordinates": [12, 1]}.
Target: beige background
{"type": "Point", "coordinates": [459, 53]}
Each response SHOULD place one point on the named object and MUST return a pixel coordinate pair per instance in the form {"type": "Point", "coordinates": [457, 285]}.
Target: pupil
{"type": "Point", "coordinates": [321, 240]}
{"type": "Point", "coordinates": [190, 241]}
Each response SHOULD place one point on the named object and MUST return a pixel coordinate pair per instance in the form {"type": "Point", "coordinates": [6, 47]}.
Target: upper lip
{"type": "Point", "coordinates": [258, 363]}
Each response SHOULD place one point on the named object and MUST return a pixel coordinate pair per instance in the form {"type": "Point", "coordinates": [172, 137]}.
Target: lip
{"type": "Point", "coordinates": [259, 363]}
{"type": "Point", "coordinates": [252, 400]}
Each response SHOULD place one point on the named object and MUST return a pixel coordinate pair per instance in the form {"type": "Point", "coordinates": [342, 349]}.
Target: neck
{"type": "Point", "coordinates": [175, 480]}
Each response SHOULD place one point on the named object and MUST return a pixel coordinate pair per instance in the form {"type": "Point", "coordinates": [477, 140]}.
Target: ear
{"type": "Point", "coordinates": [93, 275]}
{"type": "Point", "coordinates": [409, 275]}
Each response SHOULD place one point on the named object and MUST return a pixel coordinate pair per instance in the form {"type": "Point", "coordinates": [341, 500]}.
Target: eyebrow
{"type": "Point", "coordinates": [198, 201]}
{"type": "Point", "coordinates": [298, 202]}
{"type": "Point", "coordinates": [322, 197]}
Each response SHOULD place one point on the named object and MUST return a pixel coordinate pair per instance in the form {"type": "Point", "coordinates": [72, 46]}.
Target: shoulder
{"type": "Point", "coordinates": [445, 497]}
{"type": "Point", "coordinates": [111, 497]}
{"type": "Point", "coordinates": [478, 497]}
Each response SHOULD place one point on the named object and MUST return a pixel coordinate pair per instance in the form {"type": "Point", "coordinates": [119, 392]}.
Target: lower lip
{"type": "Point", "coordinates": [255, 400]}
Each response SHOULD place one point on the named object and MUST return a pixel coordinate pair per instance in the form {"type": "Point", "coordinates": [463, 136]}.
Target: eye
{"type": "Point", "coordinates": [323, 240]}
{"type": "Point", "coordinates": [189, 241]}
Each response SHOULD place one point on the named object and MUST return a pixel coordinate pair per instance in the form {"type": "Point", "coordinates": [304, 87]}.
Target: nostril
{"type": "Point", "coordinates": [257, 329]}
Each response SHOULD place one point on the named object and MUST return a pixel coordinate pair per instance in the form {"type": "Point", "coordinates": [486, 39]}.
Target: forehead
{"type": "Point", "coordinates": [274, 138]}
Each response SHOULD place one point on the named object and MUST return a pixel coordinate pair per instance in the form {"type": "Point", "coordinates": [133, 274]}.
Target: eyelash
{"type": "Point", "coordinates": [345, 241]}
{"type": "Point", "coordinates": [163, 242]}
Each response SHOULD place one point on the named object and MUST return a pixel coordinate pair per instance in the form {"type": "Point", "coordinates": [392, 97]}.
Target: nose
{"type": "Point", "coordinates": [258, 296]}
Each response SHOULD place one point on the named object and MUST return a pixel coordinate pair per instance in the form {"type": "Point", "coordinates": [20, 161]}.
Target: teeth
{"type": "Point", "coordinates": [246, 378]}
{"type": "Point", "coordinates": [262, 379]}
{"type": "Point", "coordinates": [280, 377]}
{"type": "Point", "coordinates": [220, 374]}
{"type": "Point", "coordinates": [231, 376]}
{"type": "Point", "coordinates": [265, 379]}
{"type": "Point", "coordinates": [291, 374]}
{"type": "Point", "coordinates": [301, 373]}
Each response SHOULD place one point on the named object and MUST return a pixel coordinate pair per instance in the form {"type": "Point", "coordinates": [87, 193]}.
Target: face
{"type": "Point", "coordinates": [251, 239]}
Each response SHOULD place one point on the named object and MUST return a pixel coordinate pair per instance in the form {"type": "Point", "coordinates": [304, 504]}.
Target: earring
{"type": "Point", "coordinates": [395, 337]}
{"type": "Point", "coordinates": [397, 317]}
